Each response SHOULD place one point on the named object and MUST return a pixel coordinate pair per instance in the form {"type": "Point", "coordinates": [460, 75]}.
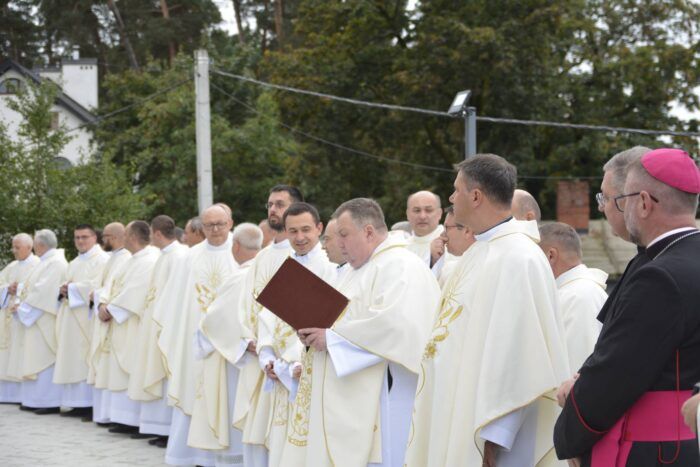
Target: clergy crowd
{"type": "Point", "coordinates": [474, 335]}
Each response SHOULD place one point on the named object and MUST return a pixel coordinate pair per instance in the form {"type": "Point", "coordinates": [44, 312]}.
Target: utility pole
{"type": "Point", "coordinates": [205, 195]}
{"type": "Point", "coordinates": [469, 132]}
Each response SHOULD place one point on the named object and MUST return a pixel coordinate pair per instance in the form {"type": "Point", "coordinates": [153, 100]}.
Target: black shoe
{"type": "Point", "coordinates": [123, 429]}
{"type": "Point", "coordinates": [104, 425]}
{"type": "Point", "coordinates": [27, 409]}
{"type": "Point", "coordinates": [47, 410]}
{"type": "Point", "coordinates": [9, 403]}
{"type": "Point", "coordinates": [87, 418]}
{"type": "Point", "coordinates": [162, 442]}
{"type": "Point", "coordinates": [78, 412]}
{"type": "Point", "coordinates": [142, 436]}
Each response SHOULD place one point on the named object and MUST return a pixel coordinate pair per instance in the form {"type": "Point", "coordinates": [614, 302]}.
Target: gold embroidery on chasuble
{"type": "Point", "coordinates": [450, 310]}
{"type": "Point", "coordinates": [302, 403]}
{"type": "Point", "coordinates": [206, 292]}
{"type": "Point", "coordinates": [281, 408]}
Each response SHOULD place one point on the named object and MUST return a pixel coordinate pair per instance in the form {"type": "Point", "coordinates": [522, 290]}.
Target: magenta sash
{"type": "Point", "coordinates": [655, 417]}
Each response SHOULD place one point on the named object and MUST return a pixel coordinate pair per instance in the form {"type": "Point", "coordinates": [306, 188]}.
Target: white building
{"type": "Point", "coordinates": [74, 105]}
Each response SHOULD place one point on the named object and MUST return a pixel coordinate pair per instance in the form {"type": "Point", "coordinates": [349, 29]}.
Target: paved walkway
{"type": "Point", "coordinates": [51, 440]}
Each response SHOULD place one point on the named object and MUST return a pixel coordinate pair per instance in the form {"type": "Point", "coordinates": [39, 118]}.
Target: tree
{"type": "Point", "coordinates": [39, 193]}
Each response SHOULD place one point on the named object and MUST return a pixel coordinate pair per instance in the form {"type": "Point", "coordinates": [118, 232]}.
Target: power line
{"type": "Point", "coordinates": [374, 156]}
{"type": "Point", "coordinates": [435, 113]}
{"type": "Point", "coordinates": [137, 103]}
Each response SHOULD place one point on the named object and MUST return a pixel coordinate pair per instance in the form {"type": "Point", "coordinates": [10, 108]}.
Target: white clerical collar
{"type": "Point", "coordinates": [429, 237]}
{"type": "Point", "coordinates": [246, 264]}
{"type": "Point", "coordinates": [25, 260]}
{"type": "Point", "coordinates": [281, 245]}
{"type": "Point", "coordinates": [115, 252]}
{"type": "Point", "coordinates": [304, 259]}
{"type": "Point", "coordinates": [85, 256]}
{"type": "Point", "coordinates": [571, 274]}
{"type": "Point", "coordinates": [169, 247]}
{"type": "Point", "coordinates": [582, 272]}
{"type": "Point", "coordinates": [493, 231]}
{"type": "Point", "coordinates": [668, 234]}
{"type": "Point", "coordinates": [48, 254]}
{"type": "Point", "coordinates": [141, 252]}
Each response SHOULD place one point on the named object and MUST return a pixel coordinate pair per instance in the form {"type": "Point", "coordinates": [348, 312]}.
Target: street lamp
{"type": "Point", "coordinates": [460, 108]}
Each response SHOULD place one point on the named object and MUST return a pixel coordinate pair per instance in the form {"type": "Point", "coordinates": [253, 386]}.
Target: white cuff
{"type": "Point", "coordinates": [28, 315]}
{"type": "Point", "coordinates": [265, 356]}
{"type": "Point", "coordinates": [119, 314]}
{"type": "Point", "coordinates": [348, 358]}
{"type": "Point", "coordinates": [281, 369]}
{"type": "Point", "coordinates": [74, 298]}
{"type": "Point", "coordinates": [201, 345]}
{"type": "Point", "coordinates": [503, 431]}
{"type": "Point", "coordinates": [242, 355]}
{"type": "Point", "coordinates": [437, 267]}
{"type": "Point", "coordinates": [295, 382]}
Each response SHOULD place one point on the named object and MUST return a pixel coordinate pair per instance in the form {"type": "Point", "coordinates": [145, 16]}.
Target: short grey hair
{"type": "Point", "coordinates": [196, 225]}
{"type": "Point", "coordinates": [46, 237]}
{"type": "Point", "coordinates": [672, 200]}
{"type": "Point", "coordinates": [24, 238]}
{"type": "Point", "coordinates": [363, 211]}
{"type": "Point", "coordinates": [492, 174]}
{"type": "Point", "coordinates": [248, 235]}
{"type": "Point", "coordinates": [619, 164]}
{"type": "Point", "coordinates": [562, 235]}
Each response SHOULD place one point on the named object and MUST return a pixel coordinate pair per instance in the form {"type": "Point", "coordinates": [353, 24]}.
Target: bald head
{"type": "Point", "coordinates": [113, 236]}
{"type": "Point", "coordinates": [525, 207]}
{"type": "Point", "coordinates": [562, 246]}
{"type": "Point", "coordinates": [423, 211]}
{"type": "Point", "coordinates": [217, 224]}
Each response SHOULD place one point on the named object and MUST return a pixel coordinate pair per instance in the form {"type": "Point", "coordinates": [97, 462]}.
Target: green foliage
{"type": "Point", "coordinates": [39, 193]}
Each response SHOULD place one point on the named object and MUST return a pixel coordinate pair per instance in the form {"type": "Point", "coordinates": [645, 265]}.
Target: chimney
{"type": "Point", "coordinates": [573, 205]}
{"type": "Point", "coordinates": [79, 80]}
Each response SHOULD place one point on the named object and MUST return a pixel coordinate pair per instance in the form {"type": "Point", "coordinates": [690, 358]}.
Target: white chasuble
{"type": "Point", "coordinates": [252, 408]}
{"type": "Point", "coordinates": [37, 312]}
{"type": "Point", "coordinates": [148, 373]}
{"type": "Point", "coordinates": [200, 277]}
{"type": "Point", "coordinates": [581, 296]}
{"type": "Point", "coordinates": [114, 263]}
{"type": "Point", "coordinates": [73, 325]}
{"type": "Point", "coordinates": [343, 405]}
{"type": "Point", "coordinates": [278, 342]}
{"type": "Point", "coordinates": [11, 330]}
{"type": "Point", "coordinates": [497, 353]}
{"type": "Point", "coordinates": [218, 344]}
{"type": "Point", "coordinates": [125, 297]}
{"type": "Point", "coordinates": [421, 245]}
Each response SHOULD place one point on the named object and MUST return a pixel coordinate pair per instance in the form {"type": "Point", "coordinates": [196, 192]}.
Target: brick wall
{"type": "Point", "coordinates": [573, 205]}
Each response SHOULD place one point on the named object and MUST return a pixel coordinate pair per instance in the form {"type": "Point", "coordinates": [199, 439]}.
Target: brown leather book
{"type": "Point", "coordinates": [301, 298]}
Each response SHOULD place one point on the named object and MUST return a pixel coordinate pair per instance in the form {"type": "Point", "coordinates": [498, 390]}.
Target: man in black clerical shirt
{"type": "Point", "coordinates": [624, 408]}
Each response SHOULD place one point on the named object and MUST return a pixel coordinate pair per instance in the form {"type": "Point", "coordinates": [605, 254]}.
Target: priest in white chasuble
{"type": "Point", "coordinates": [279, 348]}
{"type": "Point", "coordinates": [497, 351]}
{"type": "Point", "coordinates": [73, 324]}
{"type": "Point", "coordinates": [581, 290]}
{"type": "Point", "coordinates": [148, 376]}
{"type": "Point", "coordinates": [355, 396]}
{"type": "Point", "coordinates": [12, 280]}
{"type": "Point", "coordinates": [194, 285]}
{"type": "Point", "coordinates": [218, 346]}
{"type": "Point", "coordinates": [113, 237]}
{"type": "Point", "coordinates": [252, 407]}
{"type": "Point", "coordinates": [423, 211]}
{"type": "Point", "coordinates": [119, 311]}
{"type": "Point", "coordinates": [36, 311]}
{"type": "Point", "coordinates": [446, 250]}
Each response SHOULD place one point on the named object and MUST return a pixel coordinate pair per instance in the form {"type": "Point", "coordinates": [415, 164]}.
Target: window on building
{"type": "Point", "coordinates": [10, 86]}
{"type": "Point", "coordinates": [54, 121]}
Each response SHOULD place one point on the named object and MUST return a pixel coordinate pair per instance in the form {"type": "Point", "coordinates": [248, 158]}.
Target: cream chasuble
{"type": "Point", "coordinates": [338, 418]}
{"type": "Point", "coordinates": [114, 263]}
{"type": "Point", "coordinates": [40, 293]}
{"type": "Point", "coordinates": [253, 406]}
{"type": "Point", "coordinates": [200, 278]}
{"type": "Point", "coordinates": [421, 245]}
{"type": "Point", "coordinates": [444, 267]}
{"type": "Point", "coordinates": [497, 348]}
{"type": "Point", "coordinates": [148, 372]}
{"type": "Point", "coordinates": [222, 333]}
{"type": "Point", "coordinates": [73, 326]}
{"type": "Point", "coordinates": [113, 354]}
{"type": "Point", "coordinates": [581, 296]}
{"type": "Point", "coordinates": [11, 330]}
{"type": "Point", "coordinates": [286, 350]}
